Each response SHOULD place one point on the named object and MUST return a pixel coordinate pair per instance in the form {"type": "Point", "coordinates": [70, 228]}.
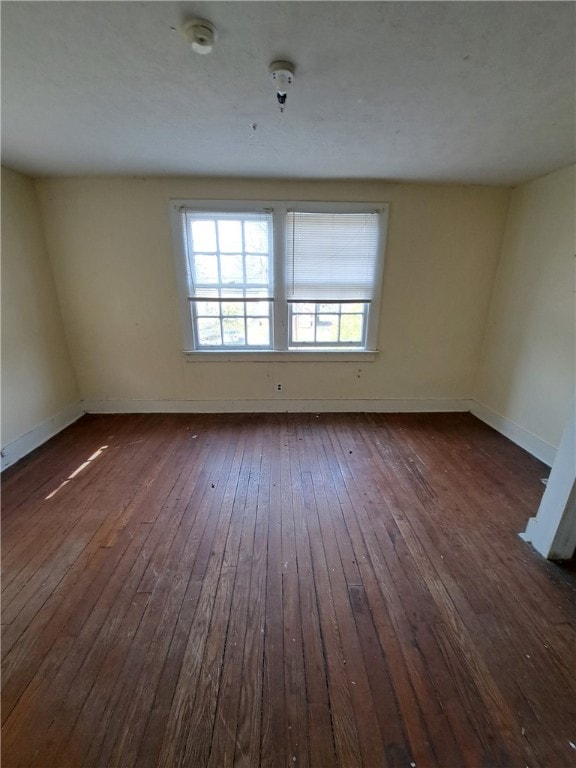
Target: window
{"type": "Point", "coordinates": [279, 277]}
{"type": "Point", "coordinates": [229, 279]}
{"type": "Point", "coordinates": [327, 325]}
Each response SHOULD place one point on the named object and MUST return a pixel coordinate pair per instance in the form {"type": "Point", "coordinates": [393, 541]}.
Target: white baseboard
{"type": "Point", "coordinates": [21, 446]}
{"type": "Point", "coordinates": [276, 405]}
{"type": "Point", "coordinates": [522, 437]}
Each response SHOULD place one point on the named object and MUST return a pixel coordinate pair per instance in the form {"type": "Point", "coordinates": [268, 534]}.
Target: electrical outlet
{"type": "Point", "coordinates": [279, 387]}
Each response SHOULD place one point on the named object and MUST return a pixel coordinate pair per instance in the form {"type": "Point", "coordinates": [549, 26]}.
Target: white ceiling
{"type": "Point", "coordinates": [474, 92]}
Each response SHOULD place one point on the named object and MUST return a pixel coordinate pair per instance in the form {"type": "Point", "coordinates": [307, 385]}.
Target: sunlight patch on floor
{"type": "Point", "coordinates": [77, 471]}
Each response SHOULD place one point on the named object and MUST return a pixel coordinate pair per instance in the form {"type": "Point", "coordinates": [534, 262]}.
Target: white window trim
{"type": "Point", "coordinates": [274, 356]}
{"type": "Point", "coordinates": [280, 315]}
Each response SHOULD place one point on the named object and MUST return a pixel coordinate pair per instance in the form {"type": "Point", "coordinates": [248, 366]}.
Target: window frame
{"type": "Point", "coordinates": [228, 293]}
{"type": "Point", "coordinates": [281, 313]}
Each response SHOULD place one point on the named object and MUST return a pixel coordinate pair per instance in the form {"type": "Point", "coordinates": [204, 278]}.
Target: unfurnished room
{"type": "Point", "coordinates": [288, 430]}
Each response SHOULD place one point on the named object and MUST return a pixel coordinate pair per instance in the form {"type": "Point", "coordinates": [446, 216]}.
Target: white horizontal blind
{"type": "Point", "coordinates": [228, 255]}
{"type": "Point", "coordinates": [331, 256]}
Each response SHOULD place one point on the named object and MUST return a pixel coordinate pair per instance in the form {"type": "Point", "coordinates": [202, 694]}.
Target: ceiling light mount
{"type": "Point", "coordinates": [201, 35]}
{"type": "Point", "coordinates": [282, 74]}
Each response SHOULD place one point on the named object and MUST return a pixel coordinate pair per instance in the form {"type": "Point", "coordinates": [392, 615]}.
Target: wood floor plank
{"type": "Point", "coordinates": [429, 585]}
{"type": "Point", "coordinates": [152, 729]}
{"type": "Point", "coordinates": [143, 709]}
{"type": "Point", "coordinates": [407, 597]}
{"type": "Point", "coordinates": [237, 579]}
{"type": "Point", "coordinates": [248, 733]}
{"type": "Point", "coordinates": [324, 590]}
{"type": "Point", "coordinates": [378, 586]}
{"type": "Point", "coordinates": [322, 746]}
{"type": "Point", "coordinates": [97, 506]}
{"type": "Point", "coordinates": [294, 678]}
{"type": "Point", "coordinates": [344, 726]}
{"type": "Point", "coordinates": [164, 597]}
{"type": "Point", "coordinates": [371, 746]}
{"type": "Point", "coordinates": [72, 601]}
{"type": "Point", "coordinates": [273, 721]}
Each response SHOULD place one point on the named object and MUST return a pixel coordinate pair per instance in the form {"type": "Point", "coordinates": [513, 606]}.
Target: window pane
{"type": "Point", "coordinates": [204, 235]}
{"type": "Point", "coordinates": [233, 330]}
{"type": "Point", "coordinates": [327, 328]}
{"type": "Point", "coordinates": [256, 236]}
{"type": "Point", "coordinates": [204, 308]}
{"type": "Point", "coordinates": [234, 308]}
{"type": "Point", "coordinates": [231, 268]}
{"type": "Point", "coordinates": [258, 308]}
{"type": "Point", "coordinates": [256, 269]}
{"type": "Point", "coordinates": [231, 292]}
{"type": "Point", "coordinates": [230, 236]}
{"type": "Point", "coordinates": [351, 327]}
{"type": "Point", "coordinates": [209, 332]}
{"type": "Point", "coordinates": [258, 332]}
{"type": "Point", "coordinates": [296, 308]}
{"type": "Point", "coordinates": [353, 309]}
{"type": "Point", "coordinates": [303, 329]}
{"type": "Point", "coordinates": [206, 268]}
{"type": "Point", "coordinates": [211, 292]}
{"type": "Point", "coordinates": [328, 307]}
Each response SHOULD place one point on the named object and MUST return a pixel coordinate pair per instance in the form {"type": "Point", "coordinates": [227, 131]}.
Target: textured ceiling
{"type": "Point", "coordinates": [474, 92]}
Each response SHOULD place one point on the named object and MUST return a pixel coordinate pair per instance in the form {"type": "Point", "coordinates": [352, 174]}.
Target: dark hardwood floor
{"type": "Point", "coordinates": [282, 590]}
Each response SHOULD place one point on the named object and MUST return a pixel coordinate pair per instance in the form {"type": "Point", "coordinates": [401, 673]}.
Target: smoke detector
{"type": "Point", "coordinates": [282, 74]}
{"type": "Point", "coordinates": [201, 35]}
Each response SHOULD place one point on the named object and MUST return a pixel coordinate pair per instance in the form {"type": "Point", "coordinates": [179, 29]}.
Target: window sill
{"type": "Point", "coordinates": [271, 356]}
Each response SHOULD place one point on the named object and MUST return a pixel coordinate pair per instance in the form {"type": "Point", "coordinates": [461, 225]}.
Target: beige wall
{"type": "Point", "coordinates": [38, 382]}
{"type": "Point", "coordinates": [111, 248]}
{"type": "Point", "coordinates": [526, 374]}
